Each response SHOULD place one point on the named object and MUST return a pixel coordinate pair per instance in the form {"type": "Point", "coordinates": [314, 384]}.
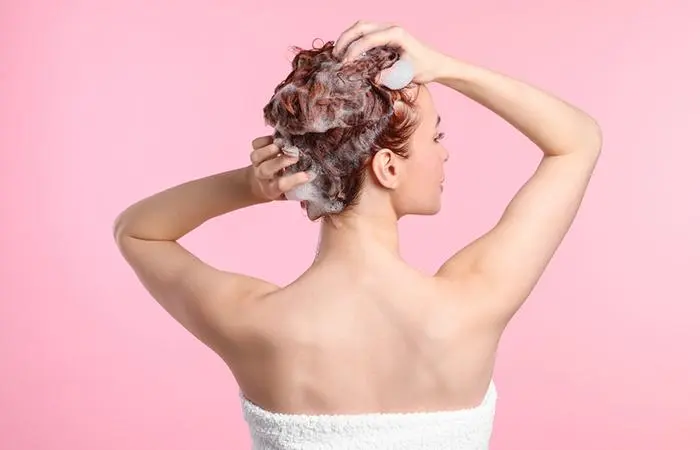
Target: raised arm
{"type": "Point", "coordinates": [203, 299]}
{"type": "Point", "coordinates": [508, 261]}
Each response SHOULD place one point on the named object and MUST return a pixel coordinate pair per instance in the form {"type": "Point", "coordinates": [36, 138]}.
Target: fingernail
{"type": "Point", "coordinates": [291, 151]}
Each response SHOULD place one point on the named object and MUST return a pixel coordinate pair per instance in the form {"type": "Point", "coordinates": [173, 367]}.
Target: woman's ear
{"type": "Point", "coordinates": [386, 168]}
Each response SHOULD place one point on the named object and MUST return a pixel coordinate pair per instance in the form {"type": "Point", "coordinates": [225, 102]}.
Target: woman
{"type": "Point", "coordinates": [362, 351]}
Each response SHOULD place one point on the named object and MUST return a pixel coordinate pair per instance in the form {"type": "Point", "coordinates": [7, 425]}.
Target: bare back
{"type": "Point", "coordinates": [381, 340]}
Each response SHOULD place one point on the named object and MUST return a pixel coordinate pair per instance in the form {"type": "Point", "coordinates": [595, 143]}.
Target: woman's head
{"type": "Point", "coordinates": [367, 146]}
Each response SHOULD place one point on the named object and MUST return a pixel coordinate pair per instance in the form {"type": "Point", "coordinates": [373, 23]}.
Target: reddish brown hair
{"type": "Point", "coordinates": [339, 116]}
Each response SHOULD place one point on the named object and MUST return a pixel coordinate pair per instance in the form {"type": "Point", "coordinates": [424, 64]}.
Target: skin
{"type": "Point", "coordinates": [360, 330]}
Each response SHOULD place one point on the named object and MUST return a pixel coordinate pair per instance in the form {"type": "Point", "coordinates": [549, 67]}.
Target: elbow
{"type": "Point", "coordinates": [581, 137]}
{"type": "Point", "coordinates": [120, 229]}
{"type": "Point", "coordinates": [123, 237]}
{"type": "Point", "coordinates": [593, 137]}
{"type": "Point", "coordinates": [598, 133]}
{"type": "Point", "coordinates": [587, 141]}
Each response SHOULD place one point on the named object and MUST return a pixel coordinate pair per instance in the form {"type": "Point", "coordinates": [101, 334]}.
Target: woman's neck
{"type": "Point", "coordinates": [359, 238]}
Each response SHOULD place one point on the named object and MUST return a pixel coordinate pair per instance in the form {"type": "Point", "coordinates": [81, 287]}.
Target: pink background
{"type": "Point", "coordinates": [104, 102]}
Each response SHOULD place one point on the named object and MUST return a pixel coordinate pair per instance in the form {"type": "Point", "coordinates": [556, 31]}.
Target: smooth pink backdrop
{"type": "Point", "coordinates": [104, 102]}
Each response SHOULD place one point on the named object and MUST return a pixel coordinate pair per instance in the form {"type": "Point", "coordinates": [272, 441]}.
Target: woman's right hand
{"type": "Point", "coordinates": [362, 36]}
{"type": "Point", "coordinates": [266, 175]}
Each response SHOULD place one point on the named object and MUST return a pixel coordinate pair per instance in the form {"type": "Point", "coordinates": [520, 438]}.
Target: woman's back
{"type": "Point", "coordinates": [382, 357]}
{"type": "Point", "coordinates": [382, 338]}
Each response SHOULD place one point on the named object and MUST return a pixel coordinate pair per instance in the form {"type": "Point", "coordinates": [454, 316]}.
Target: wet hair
{"type": "Point", "coordinates": [337, 116]}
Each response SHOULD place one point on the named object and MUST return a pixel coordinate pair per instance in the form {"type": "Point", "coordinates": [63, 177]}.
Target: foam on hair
{"type": "Point", "coordinates": [336, 116]}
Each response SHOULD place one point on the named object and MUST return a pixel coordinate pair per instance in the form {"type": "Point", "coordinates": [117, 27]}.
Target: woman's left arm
{"type": "Point", "coordinates": [194, 293]}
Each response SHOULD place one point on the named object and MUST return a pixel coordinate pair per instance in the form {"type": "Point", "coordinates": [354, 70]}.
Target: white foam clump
{"type": "Point", "coordinates": [321, 124]}
{"type": "Point", "coordinates": [399, 75]}
{"type": "Point", "coordinates": [317, 204]}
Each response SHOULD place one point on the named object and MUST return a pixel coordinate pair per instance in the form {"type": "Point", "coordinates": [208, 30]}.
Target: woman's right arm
{"type": "Point", "coordinates": [509, 260]}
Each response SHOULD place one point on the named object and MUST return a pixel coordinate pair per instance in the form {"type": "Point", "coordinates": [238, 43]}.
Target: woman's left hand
{"type": "Point", "coordinates": [362, 36]}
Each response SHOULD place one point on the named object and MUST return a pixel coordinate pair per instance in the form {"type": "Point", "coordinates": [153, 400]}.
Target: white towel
{"type": "Point", "coordinates": [466, 429]}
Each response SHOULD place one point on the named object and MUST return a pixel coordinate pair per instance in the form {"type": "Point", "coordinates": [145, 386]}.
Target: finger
{"type": "Point", "coordinates": [289, 182]}
{"type": "Point", "coordinates": [262, 154]}
{"type": "Point", "coordinates": [386, 36]}
{"type": "Point", "coordinates": [269, 169]}
{"type": "Point", "coordinates": [353, 33]}
{"type": "Point", "coordinates": [261, 141]}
